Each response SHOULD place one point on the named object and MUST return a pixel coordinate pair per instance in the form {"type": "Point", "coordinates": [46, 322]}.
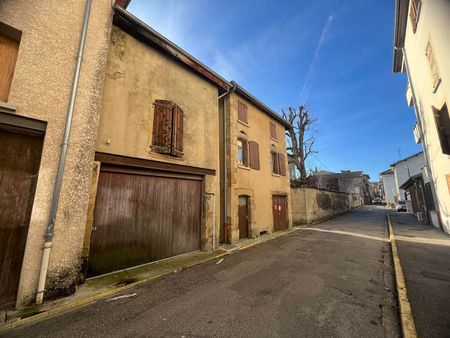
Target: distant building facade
{"type": "Point", "coordinates": [422, 51]}
{"type": "Point", "coordinates": [406, 168]}
{"type": "Point", "coordinates": [387, 178]}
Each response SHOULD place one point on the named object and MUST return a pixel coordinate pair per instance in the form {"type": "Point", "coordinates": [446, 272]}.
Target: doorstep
{"type": "Point", "coordinates": [107, 285]}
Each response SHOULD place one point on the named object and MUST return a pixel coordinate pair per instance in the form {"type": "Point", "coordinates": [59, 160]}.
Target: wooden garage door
{"type": "Point", "coordinates": [140, 217]}
{"type": "Point", "coordinates": [20, 155]}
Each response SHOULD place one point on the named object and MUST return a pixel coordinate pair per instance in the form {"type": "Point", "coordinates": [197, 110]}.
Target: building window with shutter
{"type": "Point", "coordinates": [242, 112]}
{"type": "Point", "coordinates": [273, 130]}
{"type": "Point", "coordinates": [442, 119]}
{"type": "Point", "coordinates": [277, 162]}
{"type": "Point", "coordinates": [9, 47]}
{"type": "Point", "coordinates": [434, 71]}
{"type": "Point", "coordinates": [242, 152]}
{"type": "Point", "coordinates": [167, 128]}
{"type": "Point", "coordinates": [414, 12]}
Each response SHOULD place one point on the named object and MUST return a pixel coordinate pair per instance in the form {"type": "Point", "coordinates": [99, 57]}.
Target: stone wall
{"type": "Point", "coordinates": [310, 205]}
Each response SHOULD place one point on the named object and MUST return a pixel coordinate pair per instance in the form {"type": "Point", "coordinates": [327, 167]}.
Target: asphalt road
{"type": "Point", "coordinates": [311, 283]}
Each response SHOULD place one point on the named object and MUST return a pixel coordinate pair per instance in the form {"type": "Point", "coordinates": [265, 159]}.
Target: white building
{"type": "Point", "coordinates": [387, 178]}
{"type": "Point", "coordinates": [406, 168]}
{"type": "Point", "coordinates": [422, 51]}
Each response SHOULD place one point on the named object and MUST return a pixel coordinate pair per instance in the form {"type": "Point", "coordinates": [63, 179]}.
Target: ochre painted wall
{"type": "Point", "coordinates": [136, 76]}
{"type": "Point", "coordinates": [261, 184]}
{"type": "Point", "coordinates": [40, 89]}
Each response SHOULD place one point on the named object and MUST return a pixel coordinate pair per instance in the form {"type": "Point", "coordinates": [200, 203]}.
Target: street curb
{"type": "Point", "coordinates": [406, 317]}
{"type": "Point", "coordinates": [90, 299]}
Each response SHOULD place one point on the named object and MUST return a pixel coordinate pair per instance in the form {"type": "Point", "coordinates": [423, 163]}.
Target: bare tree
{"type": "Point", "coordinates": [300, 144]}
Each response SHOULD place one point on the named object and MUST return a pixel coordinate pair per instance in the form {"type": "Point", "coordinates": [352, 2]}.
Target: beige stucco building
{"type": "Point", "coordinates": [39, 49]}
{"type": "Point", "coordinates": [422, 51]}
{"type": "Point", "coordinates": [257, 197]}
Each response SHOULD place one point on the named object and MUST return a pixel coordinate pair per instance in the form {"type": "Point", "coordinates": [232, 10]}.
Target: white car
{"type": "Point", "coordinates": [401, 206]}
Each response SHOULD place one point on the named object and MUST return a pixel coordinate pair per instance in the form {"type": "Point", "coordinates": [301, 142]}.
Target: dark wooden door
{"type": "Point", "coordinates": [279, 209]}
{"type": "Point", "coordinates": [140, 218]}
{"type": "Point", "coordinates": [20, 155]}
{"type": "Point", "coordinates": [243, 214]}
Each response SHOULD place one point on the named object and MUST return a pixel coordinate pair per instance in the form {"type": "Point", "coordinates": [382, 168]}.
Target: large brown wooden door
{"type": "Point", "coordinates": [279, 209]}
{"type": "Point", "coordinates": [20, 155]}
{"type": "Point", "coordinates": [140, 217]}
{"type": "Point", "coordinates": [243, 215]}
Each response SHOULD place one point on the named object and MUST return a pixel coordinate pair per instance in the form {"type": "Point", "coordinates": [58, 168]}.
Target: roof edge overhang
{"type": "Point", "coordinates": [410, 181]}
{"type": "Point", "coordinates": [406, 158]}
{"type": "Point", "coordinates": [400, 20]}
{"type": "Point", "coordinates": [245, 94]}
{"type": "Point", "coordinates": [147, 35]}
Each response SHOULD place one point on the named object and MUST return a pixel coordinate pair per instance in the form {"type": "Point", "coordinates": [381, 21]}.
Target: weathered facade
{"type": "Point", "coordinates": [257, 198]}
{"type": "Point", "coordinates": [422, 51]}
{"type": "Point", "coordinates": [38, 56]}
{"type": "Point", "coordinates": [157, 151]}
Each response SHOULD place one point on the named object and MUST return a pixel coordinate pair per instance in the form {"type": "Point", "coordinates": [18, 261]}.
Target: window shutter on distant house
{"type": "Point", "coordinates": [281, 164]}
{"type": "Point", "coordinates": [273, 130]}
{"type": "Point", "coordinates": [242, 112]}
{"type": "Point", "coordinates": [177, 131]}
{"type": "Point", "coordinates": [254, 155]}
{"type": "Point", "coordinates": [8, 56]}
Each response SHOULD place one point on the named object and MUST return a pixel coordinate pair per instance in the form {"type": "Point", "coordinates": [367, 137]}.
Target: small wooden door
{"type": "Point", "coordinates": [279, 209]}
{"type": "Point", "coordinates": [20, 156]}
{"type": "Point", "coordinates": [243, 213]}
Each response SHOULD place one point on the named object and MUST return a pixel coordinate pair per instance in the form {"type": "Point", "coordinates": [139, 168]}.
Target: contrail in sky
{"type": "Point", "coordinates": [306, 85]}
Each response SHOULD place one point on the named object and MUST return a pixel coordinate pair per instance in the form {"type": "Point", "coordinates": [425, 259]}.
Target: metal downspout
{"type": "Point", "coordinates": [419, 122]}
{"type": "Point", "coordinates": [62, 159]}
{"type": "Point", "coordinates": [225, 180]}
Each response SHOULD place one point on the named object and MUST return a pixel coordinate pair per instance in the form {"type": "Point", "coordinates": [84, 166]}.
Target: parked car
{"type": "Point", "coordinates": [377, 200]}
{"type": "Point", "coordinates": [401, 206]}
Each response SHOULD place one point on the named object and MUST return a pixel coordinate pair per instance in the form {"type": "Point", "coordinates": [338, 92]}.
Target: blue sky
{"type": "Point", "coordinates": [335, 56]}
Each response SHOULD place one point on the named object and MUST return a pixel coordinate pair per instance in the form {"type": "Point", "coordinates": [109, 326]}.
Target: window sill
{"type": "Point", "coordinates": [243, 167]}
{"type": "Point", "coordinates": [274, 139]}
{"type": "Point", "coordinates": [436, 87]}
{"type": "Point", "coordinates": [244, 123]}
{"type": "Point", "coordinates": [6, 107]}
{"type": "Point", "coordinates": [276, 175]}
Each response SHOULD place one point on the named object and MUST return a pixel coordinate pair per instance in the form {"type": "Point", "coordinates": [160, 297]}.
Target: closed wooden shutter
{"type": "Point", "coordinates": [162, 127]}
{"type": "Point", "coordinates": [281, 164]}
{"type": "Point", "coordinates": [8, 57]}
{"type": "Point", "coordinates": [242, 112]}
{"type": "Point", "coordinates": [273, 131]}
{"type": "Point", "coordinates": [254, 155]}
{"type": "Point", "coordinates": [177, 131]}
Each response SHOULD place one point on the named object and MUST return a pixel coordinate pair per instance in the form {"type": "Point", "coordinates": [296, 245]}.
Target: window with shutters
{"type": "Point", "coordinates": [278, 162]}
{"type": "Point", "coordinates": [9, 47]}
{"type": "Point", "coordinates": [434, 71]}
{"type": "Point", "coordinates": [442, 119]}
{"type": "Point", "coordinates": [254, 155]}
{"type": "Point", "coordinates": [242, 152]}
{"type": "Point", "coordinates": [273, 130]}
{"type": "Point", "coordinates": [167, 128]}
{"type": "Point", "coordinates": [414, 11]}
{"type": "Point", "coordinates": [242, 112]}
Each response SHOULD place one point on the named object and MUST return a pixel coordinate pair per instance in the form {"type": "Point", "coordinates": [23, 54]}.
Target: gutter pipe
{"type": "Point", "coordinates": [225, 180]}
{"type": "Point", "coordinates": [62, 159]}
{"type": "Point", "coordinates": [419, 123]}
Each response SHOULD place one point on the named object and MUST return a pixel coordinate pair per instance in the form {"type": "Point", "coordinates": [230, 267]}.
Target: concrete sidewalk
{"type": "Point", "coordinates": [110, 284]}
{"type": "Point", "coordinates": [424, 253]}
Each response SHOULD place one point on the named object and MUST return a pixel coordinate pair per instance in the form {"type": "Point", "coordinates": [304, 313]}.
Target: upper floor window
{"type": "Point", "coordinates": [167, 128]}
{"type": "Point", "coordinates": [443, 128]}
{"type": "Point", "coordinates": [242, 151]}
{"type": "Point", "coordinates": [9, 47]}
{"type": "Point", "coordinates": [277, 162]}
{"type": "Point", "coordinates": [414, 12]}
{"type": "Point", "coordinates": [273, 130]}
{"type": "Point", "coordinates": [434, 71]}
{"type": "Point", "coordinates": [242, 112]}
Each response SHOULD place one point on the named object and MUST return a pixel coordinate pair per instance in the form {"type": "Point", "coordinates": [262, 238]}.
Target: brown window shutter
{"type": "Point", "coordinates": [177, 131]}
{"type": "Point", "coordinates": [254, 155]}
{"type": "Point", "coordinates": [281, 164]}
{"type": "Point", "coordinates": [242, 112]}
{"type": "Point", "coordinates": [273, 130]}
{"type": "Point", "coordinates": [162, 127]}
{"type": "Point", "coordinates": [8, 57]}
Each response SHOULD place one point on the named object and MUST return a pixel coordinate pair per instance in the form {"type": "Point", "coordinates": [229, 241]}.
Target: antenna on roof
{"type": "Point", "coordinates": [399, 153]}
